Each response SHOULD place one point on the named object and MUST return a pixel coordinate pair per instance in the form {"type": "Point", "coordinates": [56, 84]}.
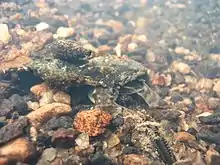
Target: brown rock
{"type": "Point", "coordinates": [3, 161]}
{"type": "Point", "coordinates": [14, 58]}
{"type": "Point", "coordinates": [62, 97]}
{"type": "Point", "coordinates": [184, 136]}
{"type": "Point", "coordinates": [19, 149]}
{"type": "Point", "coordinates": [92, 122]}
{"type": "Point", "coordinates": [39, 89]}
{"type": "Point", "coordinates": [115, 25]}
{"type": "Point", "coordinates": [104, 49]}
{"type": "Point", "coordinates": [158, 80]}
{"type": "Point", "coordinates": [181, 67]}
{"type": "Point", "coordinates": [46, 112]}
{"type": "Point", "coordinates": [133, 159]}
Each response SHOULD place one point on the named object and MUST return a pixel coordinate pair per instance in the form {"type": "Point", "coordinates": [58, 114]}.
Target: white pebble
{"type": "Point", "coordinates": [64, 32]}
{"type": "Point", "coordinates": [4, 34]}
{"type": "Point", "coordinates": [83, 141]}
{"type": "Point", "coordinates": [42, 26]}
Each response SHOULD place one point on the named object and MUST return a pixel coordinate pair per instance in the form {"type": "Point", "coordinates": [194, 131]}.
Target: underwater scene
{"type": "Point", "coordinates": [109, 82]}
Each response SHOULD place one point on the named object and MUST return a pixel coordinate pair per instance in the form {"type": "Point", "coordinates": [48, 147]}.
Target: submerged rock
{"type": "Point", "coordinates": [13, 130]}
{"type": "Point", "coordinates": [67, 62]}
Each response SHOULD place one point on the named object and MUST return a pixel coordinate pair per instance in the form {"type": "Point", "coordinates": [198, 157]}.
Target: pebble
{"type": "Point", "coordinates": [134, 159]}
{"type": "Point", "coordinates": [117, 121]}
{"type": "Point", "coordinates": [181, 51]}
{"type": "Point", "coordinates": [4, 35]}
{"type": "Point", "coordinates": [6, 108]}
{"type": "Point", "coordinates": [64, 138]}
{"type": "Point", "coordinates": [213, 103]}
{"type": "Point", "coordinates": [46, 98]}
{"type": "Point", "coordinates": [130, 150]}
{"type": "Point", "coordinates": [132, 46]}
{"type": "Point", "coordinates": [13, 130]}
{"type": "Point", "coordinates": [100, 159]}
{"type": "Point", "coordinates": [33, 105]}
{"type": "Point", "coordinates": [39, 89]}
{"type": "Point", "coordinates": [158, 80]}
{"type": "Point", "coordinates": [190, 80]}
{"type": "Point", "coordinates": [49, 154]}
{"type": "Point", "coordinates": [62, 97]}
{"type": "Point", "coordinates": [42, 26]}
{"type": "Point", "coordinates": [205, 84]}
{"type": "Point", "coordinates": [46, 112]}
{"type": "Point", "coordinates": [83, 141]}
{"type": "Point", "coordinates": [184, 136]}
{"type": "Point", "coordinates": [181, 67]}
{"type": "Point", "coordinates": [64, 32]}
{"type": "Point", "coordinates": [210, 119]}
{"type": "Point", "coordinates": [19, 104]}
{"type": "Point", "coordinates": [112, 140]}
{"type": "Point", "coordinates": [92, 122]}
{"type": "Point", "coordinates": [60, 122]}
{"type": "Point", "coordinates": [19, 149]}
{"type": "Point", "coordinates": [216, 87]}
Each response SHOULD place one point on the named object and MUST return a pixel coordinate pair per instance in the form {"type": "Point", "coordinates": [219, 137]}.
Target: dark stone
{"type": "Point", "coordinates": [176, 98]}
{"type": "Point", "coordinates": [163, 91]}
{"type": "Point", "coordinates": [130, 150]}
{"type": "Point", "coordinates": [126, 138]}
{"type": "Point", "coordinates": [6, 108]}
{"type": "Point", "coordinates": [64, 138]}
{"type": "Point", "coordinates": [61, 122]}
{"type": "Point", "coordinates": [100, 159]}
{"type": "Point", "coordinates": [209, 137]}
{"type": "Point", "coordinates": [13, 130]}
{"type": "Point", "coordinates": [43, 140]}
{"type": "Point", "coordinates": [118, 121]}
{"type": "Point", "coordinates": [192, 131]}
{"type": "Point", "coordinates": [211, 119]}
{"type": "Point", "coordinates": [179, 78]}
{"type": "Point", "coordinates": [19, 104]}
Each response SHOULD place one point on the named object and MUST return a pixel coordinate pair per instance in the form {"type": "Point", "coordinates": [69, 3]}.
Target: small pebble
{"type": "Point", "coordinates": [112, 140]}
{"type": "Point", "coordinates": [100, 159]}
{"type": "Point", "coordinates": [46, 98]}
{"type": "Point", "coordinates": [39, 89]}
{"type": "Point", "coordinates": [204, 83]}
{"type": "Point", "coordinates": [117, 121]}
{"type": "Point", "coordinates": [83, 141]}
{"type": "Point", "coordinates": [184, 136]}
{"type": "Point", "coordinates": [49, 154]}
{"type": "Point", "coordinates": [133, 159]}
{"type": "Point", "coordinates": [181, 67]}
{"type": "Point", "coordinates": [4, 35]}
{"type": "Point", "coordinates": [92, 122]}
{"type": "Point", "coordinates": [19, 104]}
{"type": "Point", "coordinates": [64, 138]}
{"type": "Point", "coordinates": [216, 87]}
{"type": "Point", "coordinates": [64, 32]}
{"type": "Point", "coordinates": [62, 97]}
{"type": "Point", "coordinates": [42, 26]}
{"type": "Point", "coordinates": [214, 103]}
{"type": "Point", "coordinates": [59, 122]}
{"type": "Point", "coordinates": [33, 105]}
